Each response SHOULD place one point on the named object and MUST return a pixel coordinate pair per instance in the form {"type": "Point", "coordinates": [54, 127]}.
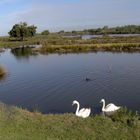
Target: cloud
{"type": "Point", "coordinates": [76, 15]}
{"type": "Point", "coordinates": [80, 14]}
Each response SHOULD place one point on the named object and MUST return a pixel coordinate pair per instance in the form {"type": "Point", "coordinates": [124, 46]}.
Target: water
{"type": "Point", "coordinates": [86, 36]}
{"type": "Point", "coordinates": [111, 35]}
{"type": "Point", "coordinates": [49, 83]}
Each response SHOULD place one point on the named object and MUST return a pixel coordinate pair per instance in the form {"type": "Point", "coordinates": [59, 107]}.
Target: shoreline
{"type": "Point", "coordinates": [18, 123]}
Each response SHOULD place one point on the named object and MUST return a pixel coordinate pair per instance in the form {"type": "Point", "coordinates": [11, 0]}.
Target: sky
{"type": "Point", "coordinates": [56, 15]}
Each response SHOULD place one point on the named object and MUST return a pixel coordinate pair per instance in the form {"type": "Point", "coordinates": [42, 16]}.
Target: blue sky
{"type": "Point", "coordinates": [57, 15]}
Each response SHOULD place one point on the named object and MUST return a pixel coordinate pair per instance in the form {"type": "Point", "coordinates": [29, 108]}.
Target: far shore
{"type": "Point", "coordinates": [54, 43]}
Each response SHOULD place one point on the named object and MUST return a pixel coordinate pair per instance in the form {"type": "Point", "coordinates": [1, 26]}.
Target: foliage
{"type": "Point", "coordinates": [128, 29]}
{"type": "Point", "coordinates": [45, 32]}
{"type": "Point", "coordinates": [126, 117]}
{"type": "Point", "coordinates": [22, 30]}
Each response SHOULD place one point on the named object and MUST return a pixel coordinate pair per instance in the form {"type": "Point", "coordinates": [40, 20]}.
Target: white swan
{"type": "Point", "coordinates": [110, 107]}
{"type": "Point", "coordinates": [84, 112]}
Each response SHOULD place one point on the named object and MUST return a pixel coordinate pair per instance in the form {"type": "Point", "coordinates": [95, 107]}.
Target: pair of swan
{"type": "Point", "coordinates": [85, 112]}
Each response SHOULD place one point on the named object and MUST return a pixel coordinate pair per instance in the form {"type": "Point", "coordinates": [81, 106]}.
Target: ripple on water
{"type": "Point", "coordinates": [50, 83]}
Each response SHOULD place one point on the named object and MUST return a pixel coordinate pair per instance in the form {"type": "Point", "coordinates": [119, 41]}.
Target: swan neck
{"type": "Point", "coordinates": [78, 106]}
{"type": "Point", "coordinates": [103, 108]}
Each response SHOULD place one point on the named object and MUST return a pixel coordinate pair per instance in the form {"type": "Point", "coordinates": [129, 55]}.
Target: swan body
{"type": "Point", "coordinates": [84, 112]}
{"type": "Point", "coordinates": [110, 107]}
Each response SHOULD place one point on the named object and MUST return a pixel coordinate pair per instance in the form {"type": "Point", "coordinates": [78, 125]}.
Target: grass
{"type": "Point", "coordinates": [19, 124]}
{"type": "Point", "coordinates": [119, 47]}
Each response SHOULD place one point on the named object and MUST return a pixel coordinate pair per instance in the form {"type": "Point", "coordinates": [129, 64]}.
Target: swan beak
{"type": "Point", "coordinates": [100, 101]}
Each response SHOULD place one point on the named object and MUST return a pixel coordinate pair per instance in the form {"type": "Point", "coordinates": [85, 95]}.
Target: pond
{"type": "Point", "coordinates": [86, 36]}
{"type": "Point", "coordinates": [111, 35]}
{"type": "Point", "coordinates": [49, 83]}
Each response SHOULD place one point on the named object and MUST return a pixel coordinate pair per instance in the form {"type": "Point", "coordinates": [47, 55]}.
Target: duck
{"type": "Point", "coordinates": [87, 79]}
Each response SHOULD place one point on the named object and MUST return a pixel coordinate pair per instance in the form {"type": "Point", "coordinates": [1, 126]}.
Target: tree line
{"type": "Point", "coordinates": [23, 30]}
{"type": "Point", "coordinates": [128, 29]}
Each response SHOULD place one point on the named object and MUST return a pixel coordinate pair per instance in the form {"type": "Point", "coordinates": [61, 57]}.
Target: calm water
{"type": "Point", "coordinates": [49, 83]}
{"type": "Point", "coordinates": [111, 35]}
{"type": "Point", "coordinates": [86, 36]}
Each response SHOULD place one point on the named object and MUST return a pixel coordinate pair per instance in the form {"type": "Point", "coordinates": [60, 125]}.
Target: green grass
{"type": "Point", "coordinates": [19, 124]}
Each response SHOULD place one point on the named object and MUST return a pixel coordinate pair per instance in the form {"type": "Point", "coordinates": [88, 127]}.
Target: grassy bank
{"type": "Point", "coordinates": [57, 43]}
{"type": "Point", "coordinates": [19, 124]}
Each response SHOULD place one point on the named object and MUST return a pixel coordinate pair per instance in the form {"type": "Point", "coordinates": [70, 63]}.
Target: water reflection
{"type": "Point", "coordinates": [2, 73]}
{"type": "Point", "coordinates": [3, 77]}
{"type": "Point", "coordinates": [110, 35]}
{"type": "Point", "coordinates": [49, 83]}
{"type": "Point", "coordinates": [23, 52]}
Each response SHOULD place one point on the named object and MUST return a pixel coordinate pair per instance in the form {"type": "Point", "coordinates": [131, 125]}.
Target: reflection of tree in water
{"type": "Point", "coordinates": [2, 73]}
{"type": "Point", "coordinates": [22, 52]}
{"type": "Point", "coordinates": [2, 78]}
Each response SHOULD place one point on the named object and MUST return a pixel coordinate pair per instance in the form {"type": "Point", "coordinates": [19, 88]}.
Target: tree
{"type": "Point", "coordinates": [31, 30]}
{"type": "Point", "coordinates": [45, 32]}
{"type": "Point", "coordinates": [61, 32]}
{"type": "Point", "coordinates": [22, 30]}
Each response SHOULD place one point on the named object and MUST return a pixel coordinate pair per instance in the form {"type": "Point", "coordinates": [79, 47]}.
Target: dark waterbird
{"type": "Point", "coordinates": [88, 79]}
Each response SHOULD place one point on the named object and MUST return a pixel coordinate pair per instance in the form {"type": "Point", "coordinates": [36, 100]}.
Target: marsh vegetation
{"type": "Point", "coordinates": [56, 43]}
{"type": "Point", "coordinates": [72, 41]}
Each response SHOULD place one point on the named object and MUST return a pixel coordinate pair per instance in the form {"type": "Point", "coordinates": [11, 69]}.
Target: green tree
{"type": "Point", "coordinates": [104, 30]}
{"type": "Point", "coordinates": [31, 30]}
{"type": "Point", "coordinates": [45, 32]}
{"type": "Point", "coordinates": [22, 30]}
{"type": "Point", "coordinates": [61, 32]}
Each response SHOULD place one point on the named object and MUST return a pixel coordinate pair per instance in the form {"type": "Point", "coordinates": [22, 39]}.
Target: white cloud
{"type": "Point", "coordinates": [80, 14]}
{"type": "Point", "coordinates": [77, 15]}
